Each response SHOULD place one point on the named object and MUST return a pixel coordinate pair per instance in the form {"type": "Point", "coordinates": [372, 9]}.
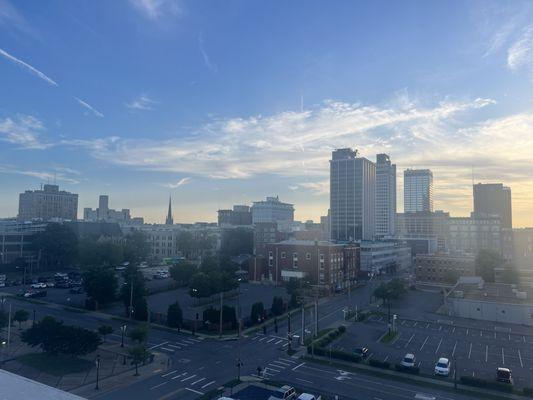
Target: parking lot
{"type": "Point", "coordinates": [477, 352]}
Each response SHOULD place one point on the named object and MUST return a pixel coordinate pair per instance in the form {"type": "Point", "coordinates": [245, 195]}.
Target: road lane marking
{"type": "Point", "coordinates": [268, 341]}
{"type": "Point", "coordinates": [409, 341]}
{"type": "Point", "coordinates": [286, 364]}
{"type": "Point", "coordinates": [423, 344]}
{"type": "Point", "coordinates": [453, 330]}
{"type": "Point", "coordinates": [157, 345]}
{"type": "Point", "coordinates": [454, 347]}
{"type": "Point", "coordinates": [403, 322]}
{"type": "Point", "coordinates": [161, 384]}
{"type": "Point", "coordinates": [416, 322]}
{"type": "Point", "coordinates": [167, 349]}
{"type": "Point", "coordinates": [520, 358]}
{"type": "Point", "coordinates": [304, 380]}
{"type": "Point", "coordinates": [199, 380]}
{"type": "Point", "coordinates": [289, 361]}
{"type": "Point", "coordinates": [188, 341]}
{"type": "Point", "coordinates": [272, 369]}
{"type": "Point", "coordinates": [179, 376]}
{"type": "Point", "coordinates": [386, 358]}
{"type": "Point", "coordinates": [182, 344]}
{"type": "Point", "coordinates": [189, 377]}
{"type": "Point", "coordinates": [169, 373]}
{"type": "Point", "coordinates": [427, 326]}
{"type": "Point", "coordinates": [470, 351]}
{"type": "Point", "coordinates": [481, 333]}
{"type": "Point", "coordinates": [286, 344]}
{"type": "Point", "coordinates": [208, 384]}
{"type": "Point", "coordinates": [438, 347]}
{"type": "Point", "coordinates": [174, 346]}
{"type": "Point", "coordinates": [278, 342]}
{"type": "Point", "coordinates": [466, 331]}
{"type": "Point", "coordinates": [524, 338]}
{"type": "Point", "coordinates": [440, 328]}
{"type": "Point", "coordinates": [503, 357]}
{"type": "Point", "coordinates": [194, 391]}
{"type": "Point", "coordinates": [486, 352]}
{"type": "Point", "coordinates": [272, 364]}
{"type": "Point", "coordinates": [263, 338]}
{"type": "Point", "coordinates": [256, 337]}
{"type": "Point", "coordinates": [298, 366]}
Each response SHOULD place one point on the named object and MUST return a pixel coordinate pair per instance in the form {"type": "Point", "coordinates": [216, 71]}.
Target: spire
{"type": "Point", "coordinates": [169, 220]}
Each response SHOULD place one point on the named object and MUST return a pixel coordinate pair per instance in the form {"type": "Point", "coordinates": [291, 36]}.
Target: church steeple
{"type": "Point", "coordinates": [169, 220]}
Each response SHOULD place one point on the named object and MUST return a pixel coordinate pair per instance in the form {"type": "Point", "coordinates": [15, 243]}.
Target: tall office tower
{"type": "Point", "coordinates": [272, 210]}
{"type": "Point", "coordinates": [47, 204]}
{"type": "Point", "coordinates": [103, 207]}
{"type": "Point", "coordinates": [385, 196]}
{"type": "Point", "coordinates": [169, 220]}
{"type": "Point", "coordinates": [352, 196]}
{"type": "Point", "coordinates": [493, 199]}
{"type": "Point", "coordinates": [417, 190]}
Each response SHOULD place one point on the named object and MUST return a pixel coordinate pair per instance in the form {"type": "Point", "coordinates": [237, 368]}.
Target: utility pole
{"type": "Point", "coordinates": [316, 317]}
{"type": "Point", "coordinates": [302, 336]}
{"type": "Point", "coordinates": [97, 362]}
{"type": "Point", "coordinates": [9, 327]}
{"type": "Point", "coordinates": [455, 373]}
{"type": "Point", "coordinates": [221, 302]}
{"type": "Point", "coordinates": [131, 298]}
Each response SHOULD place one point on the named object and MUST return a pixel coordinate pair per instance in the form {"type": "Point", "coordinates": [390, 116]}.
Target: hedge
{"type": "Point", "coordinates": [379, 364]}
{"type": "Point", "coordinates": [409, 370]}
{"type": "Point", "coordinates": [339, 355]}
{"type": "Point", "coordinates": [528, 391]}
{"type": "Point", "coordinates": [484, 383]}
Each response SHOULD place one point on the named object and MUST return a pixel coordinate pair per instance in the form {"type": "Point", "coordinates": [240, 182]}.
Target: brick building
{"type": "Point", "coordinates": [443, 268]}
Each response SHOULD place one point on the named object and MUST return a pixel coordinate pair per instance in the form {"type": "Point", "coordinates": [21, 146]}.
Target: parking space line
{"type": "Point", "coordinates": [481, 333]}
{"type": "Point", "coordinates": [409, 341]}
{"type": "Point", "coordinates": [486, 352]}
{"type": "Point", "coordinates": [268, 341]}
{"type": "Point", "coordinates": [466, 331]}
{"type": "Point", "coordinates": [438, 347]}
{"type": "Point", "coordinates": [427, 326]}
{"type": "Point", "coordinates": [263, 338]}
{"type": "Point", "coordinates": [470, 351]}
{"type": "Point", "coordinates": [169, 373]}
{"type": "Point", "coordinates": [207, 384]}
{"type": "Point", "coordinates": [282, 363]}
{"type": "Point", "coordinates": [286, 344]}
{"type": "Point", "coordinates": [453, 330]}
{"type": "Point", "coordinates": [298, 366]}
{"type": "Point", "coordinates": [520, 358]}
{"type": "Point", "coordinates": [509, 337]}
{"type": "Point", "coordinates": [503, 357]}
{"type": "Point", "coordinates": [179, 376]}
{"type": "Point", "coordinates": [173, 346]}
{"type": "Point", "coordinates": [423, 344]}
{"type": "Point", "coordinates": [454, 347]}
{"type": "Point", "coordinates": [189, 377]}
{"type": "Point", "coordinates": [386, 358]}
{"type": "Point", "coordinates": [279, 341]}
{"type": "Point", "coordinates": [271, 369]}
{"type": "Point", "coordinates": [403, 322]}
{"type": "Point", "coordinates": [524, 338]}
{"type": "Point", "coordinates": [440, 328]}
{"type": "Point", "coordinates": [416, 322]}
{"type": "Point", "coordinates": [199, 380]}
{"type": "Point", "coordinates": [161, 384]}
{"type": "Point", "coordinates": [167, 349]}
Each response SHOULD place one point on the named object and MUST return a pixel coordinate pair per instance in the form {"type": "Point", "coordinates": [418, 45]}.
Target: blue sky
{"type": "Point", "coordinates": [223, 102]}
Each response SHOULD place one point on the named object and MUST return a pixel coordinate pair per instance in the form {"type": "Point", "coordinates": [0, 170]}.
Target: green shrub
{"type": "Point", "coordinates": [409, 370]}
{"type": "Point", "coordinates": [484, 383]}
{"type": "Point", "coordinates": [528, 391]}
{"type": "Point", "coordinates": [379, 364]}
{"type": "Point", "coordinates": [341, 329]}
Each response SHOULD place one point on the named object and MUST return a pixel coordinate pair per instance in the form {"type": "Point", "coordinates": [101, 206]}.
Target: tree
{"type": "Point", "coordinates": [138, 355]}
{"type": "Point", "coordinates": [4, 318]}
{"type": "Point", "coordinates": [174, 315]}
{"type": "Point", "coordinates": [451, 276]}
{"type": "Point", "coordinates": [200, 285]}
{"type": "Point", "coordinates": [21, 316]}
{"type": "Point", "coordinates": [486, 261]}
{"type": "Point", "coordinates": [139, 334]}
{"type": "Point", "coordinates": [136, 247]}
{"type": "Point", "coordinates": [100, 284]}
{"type": "Point", "coordinates": [212, 315]}
{"type": "Point", "coordinates": [258, 310]}
{"type": "Point", "coordinates": [237, 241]}
{"type": "Point", "coordinates": [97, 253]}
{"type": "Point", "coordinates": [277, 305]}
{"type": "Point", "coordinates": [58, 245]}
{"type": "Point", "coordinates": [140, 308]}
{"type": "Point", "coordinates": [55, 338]}
{"type": "Point", "coordinates": [182, 272]}
{"type": "Point", "coordinates": [105, 330]}
{"type": "Point", "coordinates": [133, 277]}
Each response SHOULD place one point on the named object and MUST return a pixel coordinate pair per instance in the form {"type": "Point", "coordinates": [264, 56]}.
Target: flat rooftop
{"type": "Point", "coordinates": [18, 387]}
{"type": "Point", "coordinates": [494, 293]}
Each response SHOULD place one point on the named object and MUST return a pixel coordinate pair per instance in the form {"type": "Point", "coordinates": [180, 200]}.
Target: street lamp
{"type": "Point", "coordinates": [123, 331]}
{"type": "Point", "coordinates": [97, 362]}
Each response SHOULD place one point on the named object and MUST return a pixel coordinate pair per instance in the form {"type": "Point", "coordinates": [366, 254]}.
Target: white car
{"type": "Point", "coordinates": [442, 367]}
{"type": "Point", "coordinates": [408, 360]}
{"type": "Point", "coordinates": [39, 285]}
{"type": "Point", "coordinates": [307, 396]}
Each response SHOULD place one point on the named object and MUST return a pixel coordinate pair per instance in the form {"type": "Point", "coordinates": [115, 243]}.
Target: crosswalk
{"type": "Point", "coordinates": [277, 366]}
{"type": "Point", "coordinates": [270, 340]}
{"type": "Point", "coordinates": [188, 379]}
{"type": "Point", "coordinates": [173, 346]}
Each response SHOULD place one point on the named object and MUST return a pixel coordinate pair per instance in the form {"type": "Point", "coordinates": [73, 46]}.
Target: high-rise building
{"type": "Point", "coordinates": [169, 220]}
{"type": "Point", "coordinates": [493, 199]}
{"type": "Point", "coordinates": [103, 207]}
{"type": "Point", "coordinates": [417, 190]}
{"type": "Point", "coordinates": [48, 203]}
{"type": "Point", "coordinates": [239, 215]}
{"type": "Point", "coordinates": [104, 213]}
{"type": "Point", "coordinates": [352, 196]}
{"type": "Point", "coordinates": [385, 196]}
{"type": "Point", "coordinates": [272, 210]}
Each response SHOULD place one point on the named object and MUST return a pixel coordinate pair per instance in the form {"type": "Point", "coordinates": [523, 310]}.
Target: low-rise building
{"type": "Point", "coordinates": [48, 204]}
{"type": "Point", "coordinates": [238, 216]}
{"type": "Point", "coordinates": [16, 238]}
{"type": "Point", "coordinates": [272, 210]}
{"type": "Point", "coordinates": [384, 256]}
{"type": "Point", "coordinates": [104, 213]}
{"type": "Point", "coordinates": [497, 302]}
{"type": "Point", "coordinates": [443, 268]}
{"type": "Point", "coordinates": [330, 266]}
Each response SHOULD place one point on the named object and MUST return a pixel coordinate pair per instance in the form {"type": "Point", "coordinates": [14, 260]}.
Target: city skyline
{"type": "Point", "coordinates": [180, 122]}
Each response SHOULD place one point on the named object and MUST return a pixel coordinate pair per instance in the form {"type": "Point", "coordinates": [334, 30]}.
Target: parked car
{"type": "Point", "coordinates": [307, 396]}
{"type": "Point", "coordinates": [63, 285]}
{"type": "Point", "coordinates": [408, 360]}
{"type": "Point", "coordinates": [37, 293]}
{"type": "Point", "coordinates": [285, 392]}
{"type": "Point", "coordinates": [442, 367]}
{"type": "Point", "coordinates": [17, 282]}
{"type": "Point", "coordinates": [39, 285]}
{"type": "Point", "coordinates": [504, 375]}
{"type": "Point", "coordinates": [361, 352]}
{"type": "Point", "coordinates": [76, 290]}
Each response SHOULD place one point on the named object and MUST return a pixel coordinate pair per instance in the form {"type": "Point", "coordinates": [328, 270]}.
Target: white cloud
{"type": "Point", "coordinates": [24, 131]}
{"type": "Point", "coordinates": [28, 67]}
{"type": "Point", "coordinates": [154, 9]}
{"type": "Point", "coordinates": [11, 19]}
{"type": "Point", "coordinates": [175, 185]}
{"type": "Point", "coordinates": [44, 176]}
{"type": "Point", "coordinates": [520, 54]}
{"type": "Point", "coordinates": [143, 102]}
{"type": "Point", "coordinates": [89, 107]}
{"type": "Point", "coordinates": [207, 60]}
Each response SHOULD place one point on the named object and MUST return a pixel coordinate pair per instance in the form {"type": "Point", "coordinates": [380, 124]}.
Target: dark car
{"type": "Point", "coordinates": [16, 282]}
{"type": "Point", "coordinates": [361, 352]}
{"type": "Point", "coordinates": [504, 375]}
{"type": "Point", "coordinates": [76, 290]}
{"type": "Point", "coordinates": [63, 285]}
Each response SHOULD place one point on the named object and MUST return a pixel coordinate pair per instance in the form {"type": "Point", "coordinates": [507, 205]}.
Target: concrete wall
{"type": "Point", "coordinates": [498, 312]}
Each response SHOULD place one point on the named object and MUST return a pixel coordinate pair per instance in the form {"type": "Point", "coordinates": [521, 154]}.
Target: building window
{"type": "Point", "coordinates": [270, 259]}
{"type": "Point", "coordinates": [295, 260]}
{"type": "Point", "coordinates": [308, 256]}
{"type": "Point", "coordinates": [283, 254]}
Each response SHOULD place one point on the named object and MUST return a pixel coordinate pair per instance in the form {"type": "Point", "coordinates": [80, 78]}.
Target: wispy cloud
{"type": "Point", "coordinates": [520, 54]}
{"type": "Point", "coordinates": [143, 102]}
{"type": "Point", "coordinates": [28, 67]}
{"type": "Point", "coordinates": [89, 107]}
{"type": "Point", "coordinates": [175, 185]}
{"type": "Point", "coordinates": [23, 130]}
{"type": "Point", "coordinates": [45, 176]}
{"type": "Point", "coordinates": [207, 61]}
{"type": "Point", "coordinates": [154, 9]}
{"type": "Point", "coordinates": [12, 20]}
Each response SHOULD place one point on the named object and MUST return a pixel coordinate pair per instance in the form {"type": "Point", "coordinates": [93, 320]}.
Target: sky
{"type": "Point", "coordinates": [226, 102]}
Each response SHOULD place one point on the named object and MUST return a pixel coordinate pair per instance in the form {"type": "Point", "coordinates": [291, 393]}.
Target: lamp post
{"type": "Point", "coordinates": [123, 331]}
{"type": "Point", "coordinates": [97, 362]}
